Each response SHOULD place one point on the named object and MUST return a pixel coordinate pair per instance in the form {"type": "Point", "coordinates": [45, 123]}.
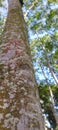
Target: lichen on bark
{"type": "Point", "coordinates": [19, 102]}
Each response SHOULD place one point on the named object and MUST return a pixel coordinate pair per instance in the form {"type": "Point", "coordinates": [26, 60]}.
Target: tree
{"type": "Point", "coordinates": [43, 24]}
{"type": "Point", "coordinates": [19, 101]}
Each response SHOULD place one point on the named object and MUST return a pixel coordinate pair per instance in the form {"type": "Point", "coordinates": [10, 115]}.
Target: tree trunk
{"type": "Point", "coordinates": [51, 95]}
{"type": "Point", "coordinates": [19, 101]}
{"type": "Point", "coordinates": [50, 68]}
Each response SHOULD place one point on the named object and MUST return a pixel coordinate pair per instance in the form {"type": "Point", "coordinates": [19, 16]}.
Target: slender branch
{"type": "Point", "coordinates": [51, 70]}
{"type": "Point", "coordinates": [48, 63]}
{"type": "Point", "coordinates": [30, 8]}
{"type": "Point", "coordinates": [51, 94]}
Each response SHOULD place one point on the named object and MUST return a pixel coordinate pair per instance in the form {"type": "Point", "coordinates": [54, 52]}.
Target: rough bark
{"type": "Point", "coordinates": [19, 101]}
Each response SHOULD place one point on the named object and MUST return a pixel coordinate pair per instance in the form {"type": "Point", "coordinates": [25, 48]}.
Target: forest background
{"type": "Point", "coordinates": [41, 18]}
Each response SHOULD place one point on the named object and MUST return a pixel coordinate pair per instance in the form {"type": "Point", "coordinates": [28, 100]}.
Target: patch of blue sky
{"type": "Point", "coordinates": [54, 5]}
{"type": "Point", "coordinates": [44, 2]}
{"type": "Point", "coordinates": [3, 10]}
{"type": "Point", "coordinates": [46, 121]}
{"type": "Point", "coordinates": [39, 75]}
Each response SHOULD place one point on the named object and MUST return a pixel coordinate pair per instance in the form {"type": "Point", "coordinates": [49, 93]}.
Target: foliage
{"type": "Point", "coordinates": [56, 128]}
{"type": "Point", "coordinates": [42, 24]}
{"type": "Point", "coordinates": [42, 19]}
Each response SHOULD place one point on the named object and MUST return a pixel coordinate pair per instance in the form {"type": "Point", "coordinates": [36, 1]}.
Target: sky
{"type": "Point", "coordinates": [31, 35]}
{"type": "Point", "coordinates": [4, 14]}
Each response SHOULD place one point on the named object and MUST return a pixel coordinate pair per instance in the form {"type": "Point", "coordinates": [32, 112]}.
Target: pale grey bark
{"type": "Point", "coordinates": [48, 64]}
{"type": "Point", "coordinates": [19, 101]}
{"type": "Point", "coordinates": [50, 68]}
{"type": "Point", "coordinates": [51, 95]}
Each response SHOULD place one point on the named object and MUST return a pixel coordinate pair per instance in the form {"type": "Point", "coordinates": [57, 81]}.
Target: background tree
{"type": "Point", "coordinates": [42, 19]}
